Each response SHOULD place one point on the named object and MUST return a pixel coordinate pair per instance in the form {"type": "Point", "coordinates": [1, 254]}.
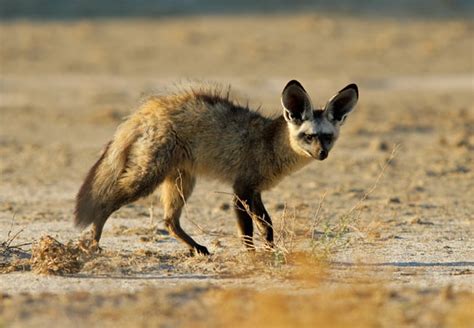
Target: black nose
{"type": "Point", "coordinates": [323, 154]}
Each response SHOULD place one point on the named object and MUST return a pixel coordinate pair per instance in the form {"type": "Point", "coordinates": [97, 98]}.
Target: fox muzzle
{"type": "Point", "coordinates": [323, 154]}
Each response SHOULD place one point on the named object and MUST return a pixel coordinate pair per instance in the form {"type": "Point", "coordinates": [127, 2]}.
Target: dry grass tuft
{"type": "Point", "coordinates": [49, 256]}
{"type": "Point", "coordinates": [12, 256]}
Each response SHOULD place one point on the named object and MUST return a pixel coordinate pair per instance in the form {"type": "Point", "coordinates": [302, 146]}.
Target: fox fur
{"type": "Point", "coordinates": [172, 139]}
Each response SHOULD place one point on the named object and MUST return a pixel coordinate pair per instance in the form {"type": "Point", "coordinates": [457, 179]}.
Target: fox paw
{"type": "Point", "coordinates": [199, 250]}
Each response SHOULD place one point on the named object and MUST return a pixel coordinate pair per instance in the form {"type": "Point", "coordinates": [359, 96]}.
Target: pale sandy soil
{"type": "Point", "coordinates": [65, 86]}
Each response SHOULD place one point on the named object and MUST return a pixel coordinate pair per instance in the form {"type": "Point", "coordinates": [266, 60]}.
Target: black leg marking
{"type": "Point", "coordinates": [242, 205]}
{"type": "Point", "coordinates": [249, 207]}
{"type": "Point", "coordinates": [263, 218]}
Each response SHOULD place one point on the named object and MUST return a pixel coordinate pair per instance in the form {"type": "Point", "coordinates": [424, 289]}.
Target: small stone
{"type": "Point", "coordinates": [217, 243]}
{"type": "Point", "coordinates": [461, 140]}
{"type": "Point", "coordinates": [418, 188]}
{"type": "Point", "coordinates": [279, 206]}
{"type": "Point", "coordinates": [162, 232]}
{"type": "Point", "coordinates": [379, 145]}
{"type": "Point", "coordinates": [443, 141]}
{"type": "Point", "coordinates": [394, 200]}
{"type": "Point", "coordinates": [461, 169]}
{"type": "Point", "coordinates": [4, 296]}
{"type": "Point", "coordinates": [418, 220]}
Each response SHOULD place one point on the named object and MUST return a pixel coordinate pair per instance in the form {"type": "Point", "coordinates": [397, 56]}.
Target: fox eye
{"type": "Point", "coordinates": [308, 138]}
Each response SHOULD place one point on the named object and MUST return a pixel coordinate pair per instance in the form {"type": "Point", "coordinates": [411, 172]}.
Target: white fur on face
{"type": "Point", "coordinates": [323, 126]}
{"type": "Point", "coordinates": [312, 126]}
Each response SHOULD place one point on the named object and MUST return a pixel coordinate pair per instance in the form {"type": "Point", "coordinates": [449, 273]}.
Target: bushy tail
{"type": "Point", "coordinates": [99, 195]}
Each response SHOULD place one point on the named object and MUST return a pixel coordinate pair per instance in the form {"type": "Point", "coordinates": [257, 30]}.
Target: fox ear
{"type": "Point", "coordinates": [296, 103]}
{"type": "Point", "coordinates": [339, 106]}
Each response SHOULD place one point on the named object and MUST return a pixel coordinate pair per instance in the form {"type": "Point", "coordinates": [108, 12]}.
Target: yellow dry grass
{"type": "Point", "coordinates": [49, 256]}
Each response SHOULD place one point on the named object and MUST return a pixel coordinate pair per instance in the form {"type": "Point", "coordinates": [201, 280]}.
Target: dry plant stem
{"type": "Point", "coordinates": [7, 244]}
{"type": "Point", "coordinates": [291, 232]}
{"type": "Point", "coordinates": [316, 217]}
{"type": "Point", "coordinates": [358, 205]}
{"type": "Point", "coordinates": [151, 211]}
{"type": "Point", "coordinates": [281, 236]}
{"type": "Point", "coordinates": [11, 239]}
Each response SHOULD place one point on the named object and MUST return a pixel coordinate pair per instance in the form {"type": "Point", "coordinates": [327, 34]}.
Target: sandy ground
{"type": "Point", "coordinates": [65, 86]}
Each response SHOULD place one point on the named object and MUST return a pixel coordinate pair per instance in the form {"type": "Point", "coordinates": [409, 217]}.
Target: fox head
{"type": "Point", "coordinates": [313, 132]}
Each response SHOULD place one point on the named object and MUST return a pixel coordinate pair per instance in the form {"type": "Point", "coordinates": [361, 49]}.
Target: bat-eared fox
{"type": "Point", "coordinates": [172, 139]}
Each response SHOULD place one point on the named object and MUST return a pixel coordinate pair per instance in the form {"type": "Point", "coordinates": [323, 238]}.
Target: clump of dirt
{"type": "Point", "coordinates": [49, 256]}
{"type": "Point", "coordinates": [15, 265]}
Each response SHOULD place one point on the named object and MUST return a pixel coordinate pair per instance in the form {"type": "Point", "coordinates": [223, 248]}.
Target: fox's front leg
{"type": "Point", "coordinates": [263, 218]}
{"type": "Point", "coordinates": [242, 206]}
{"type": "Point", "coordinates": [249, 207]}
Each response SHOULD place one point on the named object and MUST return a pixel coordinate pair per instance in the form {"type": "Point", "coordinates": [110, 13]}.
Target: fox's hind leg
{"type": "Point", "coordinates": [177, 188]}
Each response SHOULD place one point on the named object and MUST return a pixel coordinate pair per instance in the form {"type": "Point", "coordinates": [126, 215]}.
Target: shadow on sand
{"type": "Point", "coordinates": [412, 264]}
{"type": "Point", "coordinates": [200, 277]}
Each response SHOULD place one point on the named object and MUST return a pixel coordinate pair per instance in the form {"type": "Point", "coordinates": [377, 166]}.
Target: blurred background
{"type": "Point", "coordinates": [209, 38]}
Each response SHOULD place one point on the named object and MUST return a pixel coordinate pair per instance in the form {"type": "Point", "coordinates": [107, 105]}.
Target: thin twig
{"type": "Point", "coordinates": [7, 244]}
{"type": "Point", "coordinates": [10, 241]}
{"type": "Point", "coordinates": [379, 177]}
{"type": "Point", "coordinates": [11, 226]}
{"type": "Point", "coordinates": [179, 187]}
{"type": "Point", "coordinates": [151, 210]}
{"type": "Point", "coordinates": [316, 217]}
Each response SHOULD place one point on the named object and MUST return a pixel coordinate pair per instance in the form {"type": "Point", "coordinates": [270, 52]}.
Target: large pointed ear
{"type": "Point", "coordinates": [296, 103]}
{"type": "Point", "coordinates": [339, 106]}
